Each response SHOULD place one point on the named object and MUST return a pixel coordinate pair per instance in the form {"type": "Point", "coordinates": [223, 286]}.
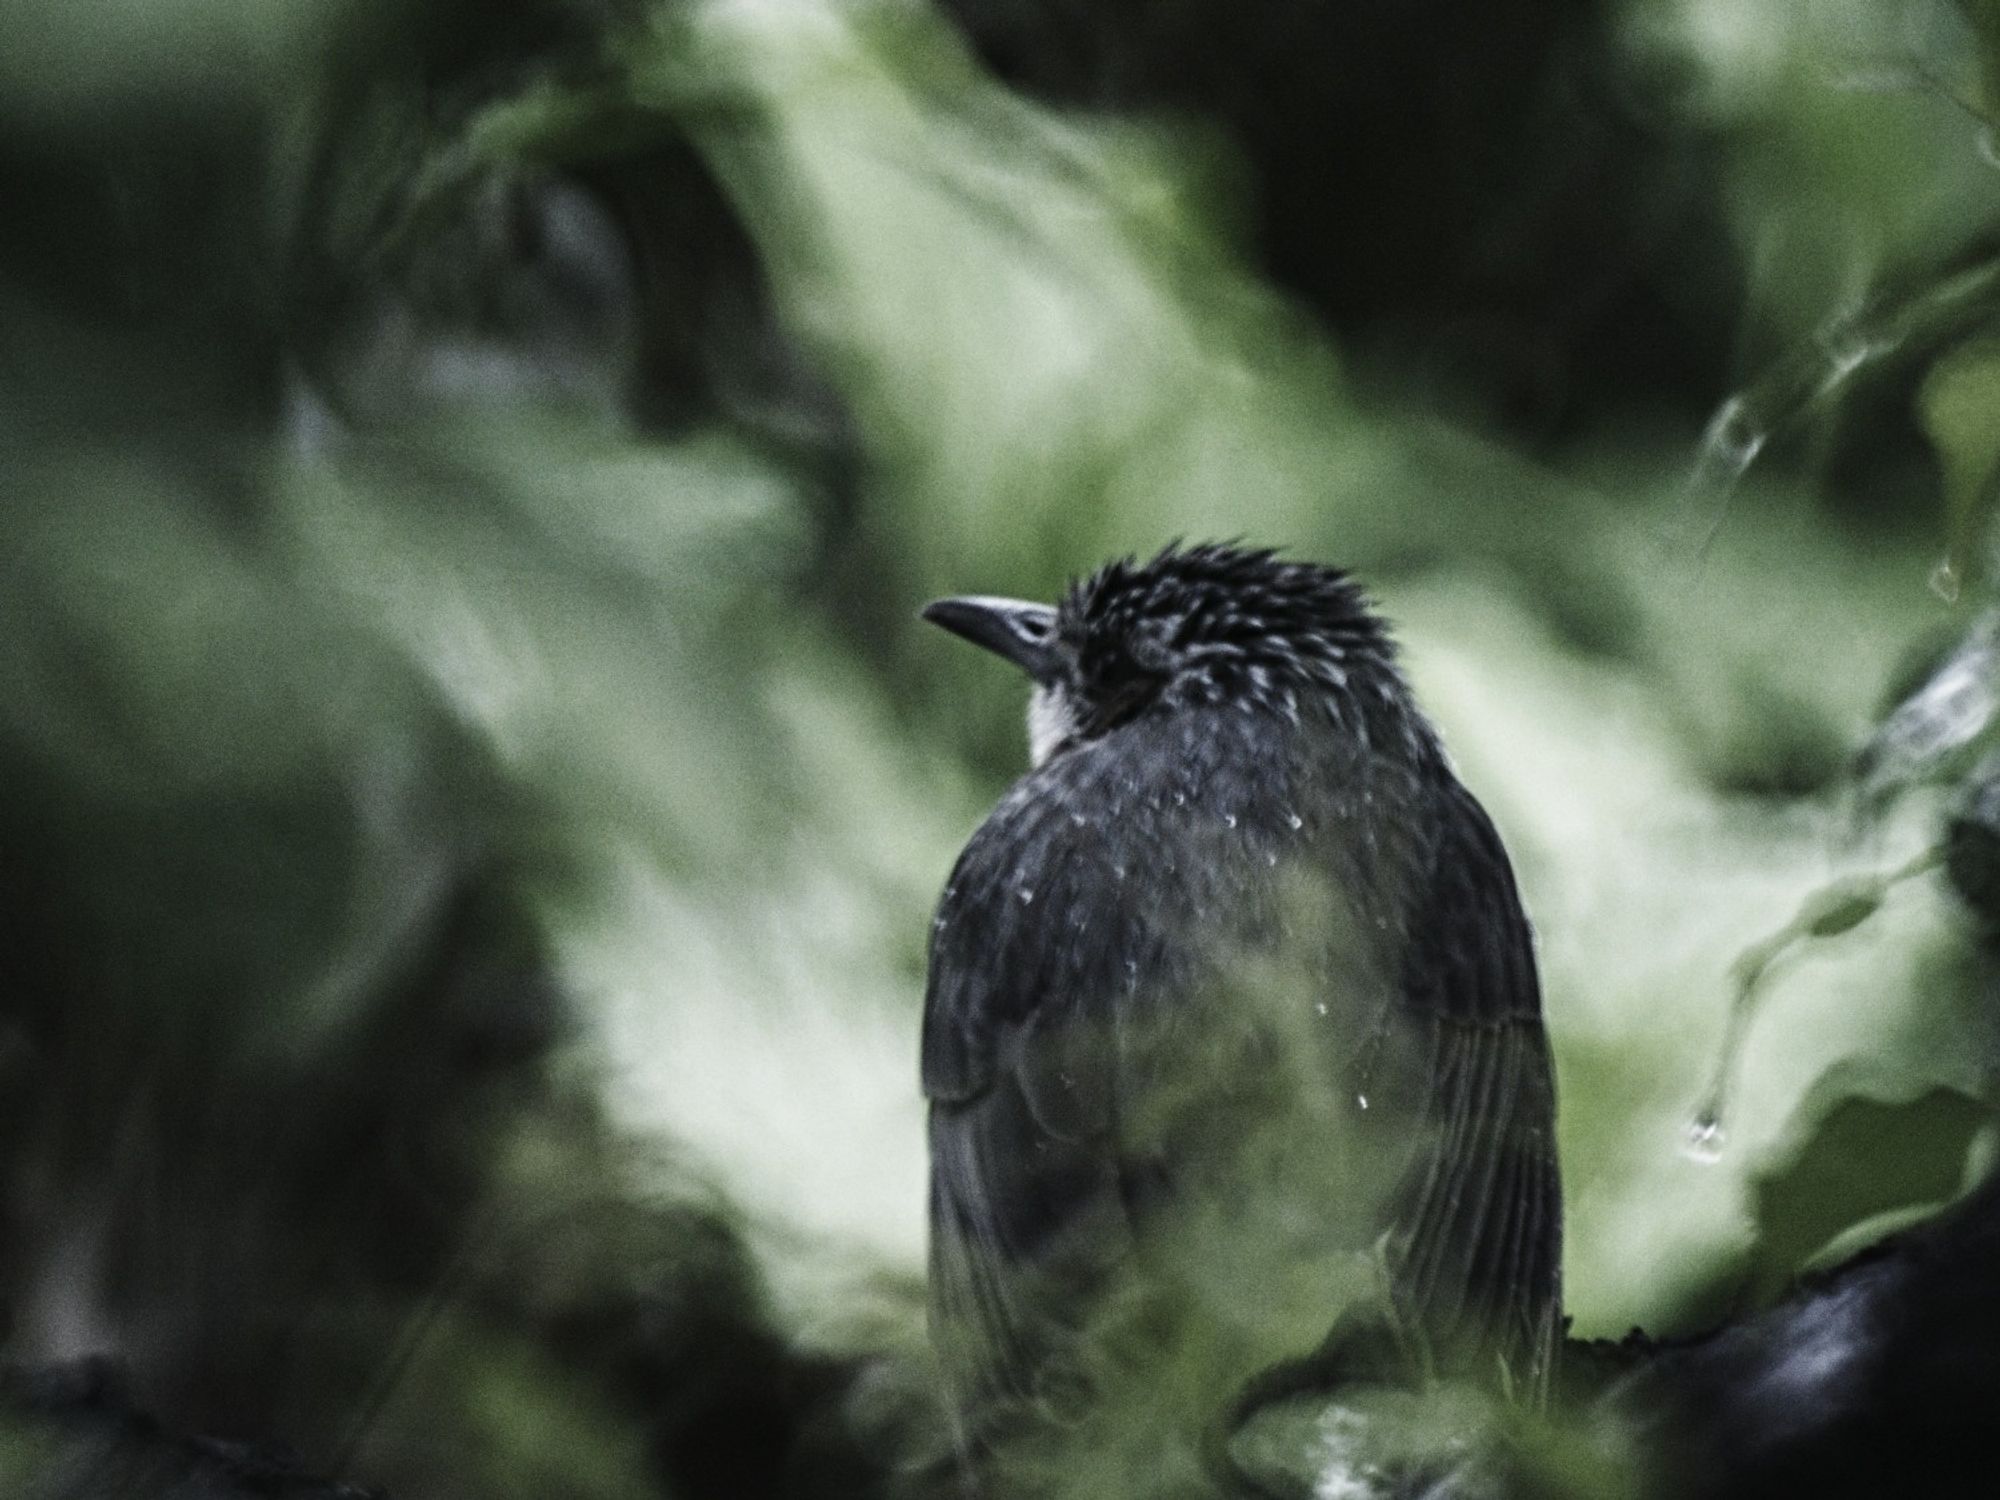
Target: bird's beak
{"type": "Point", "coordinates": [1023, 633]}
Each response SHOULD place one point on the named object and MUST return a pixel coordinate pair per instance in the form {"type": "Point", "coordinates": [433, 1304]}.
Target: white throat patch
{"type": "Point", "coordinates": [1051, 724]}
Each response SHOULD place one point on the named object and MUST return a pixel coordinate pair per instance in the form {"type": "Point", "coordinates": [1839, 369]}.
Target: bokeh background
{"type": "Point", "coordinates": [475, 784]}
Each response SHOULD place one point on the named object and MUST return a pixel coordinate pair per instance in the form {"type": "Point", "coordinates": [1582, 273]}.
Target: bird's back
{"type": "Point", "coordinates": [1228, 1036]}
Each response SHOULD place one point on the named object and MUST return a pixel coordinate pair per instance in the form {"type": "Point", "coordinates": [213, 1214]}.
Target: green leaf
{"type": "Point", "coordinates": [1850, 1157]}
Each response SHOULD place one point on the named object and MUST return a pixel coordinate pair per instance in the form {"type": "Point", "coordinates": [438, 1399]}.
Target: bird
{"type": "Point", "coordinates": [1232, 1036]}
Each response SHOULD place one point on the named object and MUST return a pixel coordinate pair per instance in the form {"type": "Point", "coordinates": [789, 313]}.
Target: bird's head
{"type": "Point", "coordinates": [1195, 626]}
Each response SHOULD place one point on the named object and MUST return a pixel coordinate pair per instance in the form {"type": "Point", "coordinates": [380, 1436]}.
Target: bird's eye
{"type": "Point", "coordinates": [1149, 646]}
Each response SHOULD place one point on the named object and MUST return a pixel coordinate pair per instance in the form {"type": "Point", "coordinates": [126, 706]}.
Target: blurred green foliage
{"type": "Point", "coordinates": [389, 530]}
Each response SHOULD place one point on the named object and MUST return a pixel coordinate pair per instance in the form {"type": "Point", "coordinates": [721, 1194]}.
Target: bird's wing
{"type": "Point", "coordinates": [1479, 1268]}
{"type": "Point", "coordinates": [1027, 1218]}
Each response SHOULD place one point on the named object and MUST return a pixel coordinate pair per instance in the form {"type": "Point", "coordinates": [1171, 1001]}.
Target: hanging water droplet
{"type": "Point", "coordinates": [1180, 799]}
{"type": "Point", "coordinates": [1321, 1007]}
{"type": "Point", "coordinates": [1026, 895]}
{"type": "Point", "coordinates": [1296, 821]}
{"type": "Point", "coordinates": [1230, 819]}
{"type": "Point", "coordinates": [1271, 858]}
{"type": "Point", "coordinates": [1362, 1100]}
{"type": "Point", "coordinates": [1729, 446]}
{"type": "Point", "coordinates": [1705, 1138]}
{"type": "Point", "coordinates": [1945, 581]}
